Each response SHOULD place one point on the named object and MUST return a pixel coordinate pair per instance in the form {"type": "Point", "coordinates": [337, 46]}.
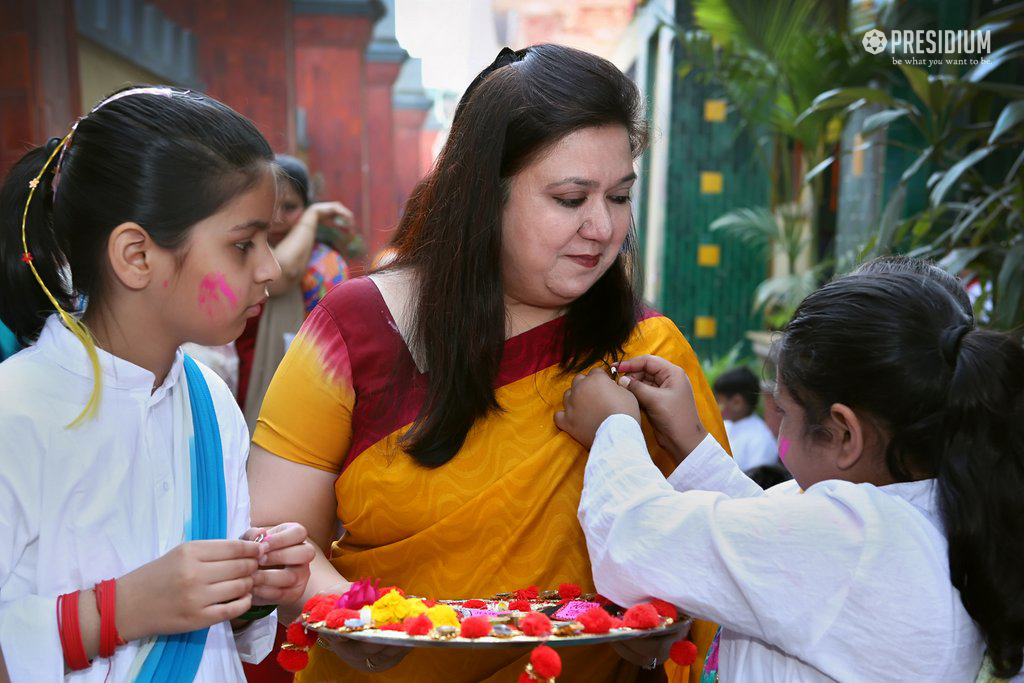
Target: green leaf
{"type": "Point", "coordinates": [756, 226]}
{"type": "Point", "coordinates": [964, 224]}
{"type": "Point", "coordinates": [1012, 114]}
{"type": "Point", "coordinates": [881, 119]}
{"type": "Point", "coordinates": [890, 219]}
{"type": "Point", "coordinates": [957, 170]}
{"type": "Point", "coordinates": [1009, 12]}
{"type": "Point", "coordinates": [921, 228]}
{"type": "Point", "coordinates": [918, 79]}
{"type": "Point", "coordinates": [818, 170]}
{"type": "Point", "coordinates": [1010, 286]}
{"type": "Point", "coordinates": [916, 166]}
{"type": "Point", "coordinates": [994, 61]}
{"type": "Point", "coordinates": [958, 259]}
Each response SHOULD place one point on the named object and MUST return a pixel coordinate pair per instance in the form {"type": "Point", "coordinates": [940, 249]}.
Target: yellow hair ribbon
{"type": "Point", "coordinates": [76, 327]}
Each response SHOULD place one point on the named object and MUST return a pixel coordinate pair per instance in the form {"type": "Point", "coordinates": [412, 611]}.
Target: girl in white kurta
{"type": "Point", "coordinates": [895, 554]}
{"type": "Point", "coordinates": [120, 458]}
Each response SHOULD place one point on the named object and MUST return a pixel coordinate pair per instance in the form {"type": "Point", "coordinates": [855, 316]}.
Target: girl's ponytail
{"type": "Point", "coordinates": [36, 280]}
{"type": "Point", "coordinates": [981, 486]}
{"type": "Point", "coordinates": [24, 305]}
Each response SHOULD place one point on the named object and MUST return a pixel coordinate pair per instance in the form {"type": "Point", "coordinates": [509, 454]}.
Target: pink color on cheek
{"type": "Point", "coordinates": [783, 448]}
{"type": "Point", "coordinates": [165, 284]}
{"type": "Point", "coordinates": [208, 297]}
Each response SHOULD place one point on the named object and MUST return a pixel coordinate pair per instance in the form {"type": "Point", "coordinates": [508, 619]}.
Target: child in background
{"type": "Point", "coordinates": [900, 559]}
{"type": "Point", "coordinates": [123, 495]}
{"type": "Point", "coordinates": [753, 444]}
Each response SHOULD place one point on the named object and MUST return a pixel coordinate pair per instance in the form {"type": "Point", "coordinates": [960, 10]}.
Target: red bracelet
{"type": "Point", "coordinates": [106, 605]}
{"type": "Point", "coordinates": [71, 632]}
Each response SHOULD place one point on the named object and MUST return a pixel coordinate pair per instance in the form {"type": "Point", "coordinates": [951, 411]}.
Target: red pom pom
{"type": "Point", "coordinates": [430, 603]}
{"type": "Point", "coordinates": [320, 612]}
{"type": "Point", "coordinates": [391, 627]}
{"type": "Point", "coordinates": [293, 660]}
{"type": "Point", "coordinates": [336, 617]}
{"type": "Point", "coordinates": [520, 606]}
{"type": "Point", "coordinates": [683, 653]}
{"type": "Point", "coordinates": [477, 604]}
{"type": "Point", "coordinates": [665, 609]}
{"type": "Point", "coordinates": [316, 600]}
{"type": "Point", "coordinates": [526, 678]}
{"type": "Point", "coordinates": [595, 620]}
{"type": "Point", "coordinates": [641, 616]}
{"type": "Point", "coordinates": [603, 601]}
{"type": "Point", "coordinates": [475, 627]}
{"type": "Point", "coordinates": [528, 593]}
{"type": "Point", "coordinates": [298, 635]}
{"type": "Point", "coordinates": [535, 624]}
{"type": "Point", "coordinates": [616, 623]}
{"type": "Point", "coordinates": [569, 591]}
{"type": "Point", "coordinates": [386, 589]}
{"type": "Point", "coordinates": [417, 626]}
{"type": "Point", "coordinates": [546, 662]}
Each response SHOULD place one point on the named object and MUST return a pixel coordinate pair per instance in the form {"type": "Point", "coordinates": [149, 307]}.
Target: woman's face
{"type": "Point", "coordinates": [289, 210]}
{"type": "Point", "coordinates": [566, 217]}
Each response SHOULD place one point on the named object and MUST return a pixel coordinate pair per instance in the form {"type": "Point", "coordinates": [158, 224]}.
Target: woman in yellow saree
{"type": "Point", "coordinates": [415, 407]}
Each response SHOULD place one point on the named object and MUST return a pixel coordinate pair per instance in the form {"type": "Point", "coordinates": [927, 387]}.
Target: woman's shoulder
{"type": "Point", "coordinates": [655, 333]}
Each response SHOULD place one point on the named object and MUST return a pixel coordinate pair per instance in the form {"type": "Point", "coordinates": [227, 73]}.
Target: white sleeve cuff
{"type": "Point", "coordinates": [30, 641]}
{"type": "Point", "coordinates": [256, 641]}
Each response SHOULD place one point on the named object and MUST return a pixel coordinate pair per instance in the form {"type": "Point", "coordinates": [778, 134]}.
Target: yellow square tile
{"type": "Point", "coordinates": [710, 182]}
{"type": "Point", "coordinates": [714, 110]}
{"type": "Point", "coordinates": [704, 327]}
{"type": "Point", "coordinates": [709, 255]}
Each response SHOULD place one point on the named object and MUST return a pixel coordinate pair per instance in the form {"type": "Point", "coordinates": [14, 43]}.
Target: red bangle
{"type": "Point", "coordinates": [106, 605]}
{"type": "Point", "coordinates": [71, 632]}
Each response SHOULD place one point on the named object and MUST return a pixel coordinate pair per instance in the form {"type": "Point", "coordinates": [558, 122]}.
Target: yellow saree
{"type": "Point", "coordinates": [501, 515]}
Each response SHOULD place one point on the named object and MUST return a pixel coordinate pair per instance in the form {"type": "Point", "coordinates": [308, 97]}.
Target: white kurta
{"type": "Point", "coordinates": [846, 582]}
{"type": "Point", "coordinates": [95, 502]}
{"type": "Point", "coordinates": [751, 442]}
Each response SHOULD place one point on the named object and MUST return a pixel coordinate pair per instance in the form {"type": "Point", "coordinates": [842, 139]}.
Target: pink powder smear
{"type": "Point", "coordinates": [783, 448]}
{"type": "Point", "coordinates": [208, 292]}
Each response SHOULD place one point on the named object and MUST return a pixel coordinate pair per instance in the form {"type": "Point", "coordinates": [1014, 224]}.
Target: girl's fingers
{"type": "Point", "coordinates": [280, 578]}
{"type": "Point", "coordinates": [300, 554]}
{"type": "Point", "coordinates": [221, 549]}
{"type": "Point", "coordinates": [285, 535]}
{"type": "Point", "coordinates": [226, 570]}
{"type": "Point", "coordinates": [227, 591]}
{"type": "Point", "coordinates": [226, 611]}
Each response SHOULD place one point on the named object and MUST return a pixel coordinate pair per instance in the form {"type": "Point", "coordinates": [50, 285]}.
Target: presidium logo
{"type": "Point", "coordinates": [931, 48]}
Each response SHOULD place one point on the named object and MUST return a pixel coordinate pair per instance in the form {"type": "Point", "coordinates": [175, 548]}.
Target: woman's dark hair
{"type": "Point", "coordinates": [450, 233]}
{"type": "Point", "coordinates": [295, 172]}
{"type": "Point", "coordinates": [165, 162]}
{"type": "Point", "coordinates": [898, 348]}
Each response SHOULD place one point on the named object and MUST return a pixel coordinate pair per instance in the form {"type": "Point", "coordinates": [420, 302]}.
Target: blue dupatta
{"type": "Point", "coordinates": [175, 658]}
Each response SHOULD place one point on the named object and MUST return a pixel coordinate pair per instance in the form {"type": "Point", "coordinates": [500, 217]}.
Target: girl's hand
{"type": "Point", "coordinates": [664, 392]}
{"type": "Point", "coordinates": [195, 585]}
{"type": "Point", "coordinates": [284, 566]}
{"type": "Point", "coordinates": [591, 399]}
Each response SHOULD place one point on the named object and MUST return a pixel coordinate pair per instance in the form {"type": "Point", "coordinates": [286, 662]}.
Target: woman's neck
{"type": "Point", "coordinates": [520, 317]}
{"type": "Point", "coordinates": [138, 341]}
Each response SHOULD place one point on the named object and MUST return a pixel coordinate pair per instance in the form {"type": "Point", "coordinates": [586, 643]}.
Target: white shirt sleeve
{"type": "Point", "coordinates": [743, 562]}
{"type": "Point", "coordinates": [28, 623]}
{"type": "Point", "coordinates": [708, 468]}
{"type": "Point", "coordinates": [256, 640]}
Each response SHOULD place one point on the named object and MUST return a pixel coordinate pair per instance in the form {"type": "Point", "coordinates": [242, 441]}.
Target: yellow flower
{"type": "Point", "coordinates": [443, 615]}
{"type": "Point", "coordinates": [392, 608]}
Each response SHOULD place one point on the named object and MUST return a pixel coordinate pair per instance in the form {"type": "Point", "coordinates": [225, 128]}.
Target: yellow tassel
{"type": "Point", "coordinates": [77, 328]}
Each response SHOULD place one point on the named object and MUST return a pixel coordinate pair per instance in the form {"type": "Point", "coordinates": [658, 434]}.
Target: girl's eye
{"type": "Point", "coordinates": [620, 199]}
{"type": "Point", "coordinates": [244, 246]}
{"type": "Point", "coordinates": [570, 203]}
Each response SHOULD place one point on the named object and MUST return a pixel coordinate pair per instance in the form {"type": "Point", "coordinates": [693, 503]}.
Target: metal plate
{"type": "Point", "coordinates": [401, 639]}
